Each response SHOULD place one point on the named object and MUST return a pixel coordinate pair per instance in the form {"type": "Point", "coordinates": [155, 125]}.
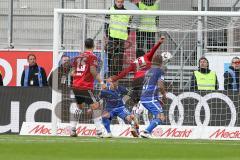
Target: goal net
{"type": "Point", "coordinates": [189, 35]}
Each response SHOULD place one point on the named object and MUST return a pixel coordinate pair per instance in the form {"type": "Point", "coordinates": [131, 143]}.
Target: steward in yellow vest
{"type": "Point", "coordinates": [148, 25]}
{"type": "Point", "coordinates": [204, 78]}
{"type": "Point", "coordinates": [117, 32]}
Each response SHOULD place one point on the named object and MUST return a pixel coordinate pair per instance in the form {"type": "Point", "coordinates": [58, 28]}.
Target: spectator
{"type": "Point", "coordinates": [204, 78]}
{"type": "Point", "coordinates": [231, 76]}
{"type": "Point", "coordinates": [63, 86]}
{"type": "Point", "coordinates": [117, 33]}
{"type": "Point", "coordinates": [1, 79]}
{"type": "Point", "coordinates": [33, 75]}
{"type": "Point", "coordinates": [148, 25]}
{"type": "Point", "coordinates": [64, 69]}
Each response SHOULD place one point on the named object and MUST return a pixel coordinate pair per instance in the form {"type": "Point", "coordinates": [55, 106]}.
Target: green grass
{"type": "Point", "coordinates": [14, 147]}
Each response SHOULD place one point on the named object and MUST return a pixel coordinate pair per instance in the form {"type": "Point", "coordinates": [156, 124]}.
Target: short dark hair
{"type": "Point", "coordinates": [89, 43]}
{"type": "Point", "coordinates": [139, 53]}
{"type": "Point", "coordinates": [65, 56]}
{"type": "Point", "coordinates": [202, 59]}
{"type": "Point", "coordinates": [31, 54]}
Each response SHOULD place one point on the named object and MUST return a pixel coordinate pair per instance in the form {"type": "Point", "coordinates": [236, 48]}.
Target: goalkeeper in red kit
{"type": "Point", "coordinates": [139, 66]}
{"type": "Point", "coordinates": [84, 72]}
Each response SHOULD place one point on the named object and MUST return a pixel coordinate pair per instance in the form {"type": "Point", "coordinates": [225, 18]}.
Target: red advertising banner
{"type": "Point", "coordinates": [12, 64]}
{"type": "Point", "coordinates": [160, 132]}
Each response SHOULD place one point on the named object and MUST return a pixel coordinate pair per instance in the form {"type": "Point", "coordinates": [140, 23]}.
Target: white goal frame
{"type": "Point", "coordinates": [57, 36]}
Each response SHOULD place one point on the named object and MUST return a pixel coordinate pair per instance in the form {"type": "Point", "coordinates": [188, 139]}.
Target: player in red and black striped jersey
{"type": "Point", "coordinates": [84, 72]}
{"type": "Point", "coordinates": [83, 79]}
{"type": "Point", "coordinates": [139, 66]}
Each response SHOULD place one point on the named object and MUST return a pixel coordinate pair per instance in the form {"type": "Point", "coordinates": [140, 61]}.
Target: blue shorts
{"type": "Point", "coordinates": [153, 106]}
{"type": "Point", "coordinates": [121, 112]}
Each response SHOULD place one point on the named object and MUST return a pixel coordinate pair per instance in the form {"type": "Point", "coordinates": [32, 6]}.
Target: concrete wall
{"type": "Point", "coordinates": [33, 20]}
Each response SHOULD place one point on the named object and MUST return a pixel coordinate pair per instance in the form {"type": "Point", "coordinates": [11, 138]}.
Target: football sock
{"type": "Point", "coordinates": [76, 113]}
{"type": "Point", "coordinates": [97, 119]}
{"type": "Point", "coordinates": [154, 123]}
{"type": "Point", "coordinates": [106, 123]}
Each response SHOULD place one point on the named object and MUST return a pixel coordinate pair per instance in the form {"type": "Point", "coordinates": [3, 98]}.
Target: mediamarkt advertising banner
{"type": "Point", "coordinates": [213, 114]}
{"type": "Point", "coordinates": [163, 131]}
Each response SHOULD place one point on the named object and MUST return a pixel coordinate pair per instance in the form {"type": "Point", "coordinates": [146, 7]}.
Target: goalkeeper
{"type": "Point", "coordinates": [113, 96]}
{"type": "Point", "coordinates": [139, 67]}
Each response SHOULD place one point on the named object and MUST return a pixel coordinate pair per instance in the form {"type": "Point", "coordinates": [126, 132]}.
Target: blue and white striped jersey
{"type": "Point", "coordinates": [150, 91]}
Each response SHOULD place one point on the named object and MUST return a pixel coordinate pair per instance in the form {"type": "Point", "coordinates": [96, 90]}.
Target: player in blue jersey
{"type": "Point", "coordinates": [115, 107]}
{"type": "Point", "coordinates": [153, 86]}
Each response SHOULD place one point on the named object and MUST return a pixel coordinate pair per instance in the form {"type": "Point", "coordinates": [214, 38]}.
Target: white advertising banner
{"type": "Point", "coordinates": [165, 131]}
{"type": "Point", "coordinates": [219, 62]}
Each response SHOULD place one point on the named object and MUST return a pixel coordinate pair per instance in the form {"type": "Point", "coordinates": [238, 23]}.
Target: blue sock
{"type": "Point", "coordinates": [106, 123]}
{"type": "Point", "coordinates": [154, 123]}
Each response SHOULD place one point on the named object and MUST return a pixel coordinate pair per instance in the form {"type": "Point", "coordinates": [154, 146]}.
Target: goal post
{"type": "Point", "coordinates": [186, 107]}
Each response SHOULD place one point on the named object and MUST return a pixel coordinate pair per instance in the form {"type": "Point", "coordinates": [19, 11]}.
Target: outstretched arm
{"type": "Point", "coordinates": [123, 73]}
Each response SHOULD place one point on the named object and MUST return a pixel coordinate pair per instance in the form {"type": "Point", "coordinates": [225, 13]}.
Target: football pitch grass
{"type": "Point", "coordinates": [15, 147]}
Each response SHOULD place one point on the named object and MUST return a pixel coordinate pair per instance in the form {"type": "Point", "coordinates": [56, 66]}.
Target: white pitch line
{"type": "Point", "coordinates": [46, 141]}
{"type": "Point", "coordinates": [64, 140]}
{"type": "Point", "coordinates": [117, 140]}
{"type": "Point", "coordinates": [230, 143]}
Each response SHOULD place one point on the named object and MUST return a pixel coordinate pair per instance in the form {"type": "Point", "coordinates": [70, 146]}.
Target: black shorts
{"type": "Point", "coordinates": [84, 96]}
{"type": "Point", "coordinates": [136, 92]}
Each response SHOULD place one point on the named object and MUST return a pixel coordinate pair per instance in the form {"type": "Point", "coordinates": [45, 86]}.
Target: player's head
{"type": "Point", "coordinates": [119, 3]}
{"type": "Point", "coordinates": [139, 53]}
{"type": "Point", "coordinates": [203, 63]}
{"type": "Point", "coordinates": [31, 59]}
{"type": "Point", "coordinates": [65, 60]}
{"type": "Point", "coordinates": [157, 59]}
{"type": "Point", "coordinates": [89, 44]}
{"type": "Point", "coordinates": [113, 85]}
{"type": "Point", "coordinates": [235, 63]}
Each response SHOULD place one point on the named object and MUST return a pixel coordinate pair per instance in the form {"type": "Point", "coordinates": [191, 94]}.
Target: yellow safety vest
{"type": "Point", "coordinates": [118, 26]}
{"type": "Point", "coordinates": [205, 81]}
{"type": "Point", "coordinates": [148, 23]}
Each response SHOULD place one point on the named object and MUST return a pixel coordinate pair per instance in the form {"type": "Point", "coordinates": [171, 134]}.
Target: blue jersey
{"type": "Point", "coordinates": [113, 98]}
{"type": "Point", "coordinates": [150, 91]}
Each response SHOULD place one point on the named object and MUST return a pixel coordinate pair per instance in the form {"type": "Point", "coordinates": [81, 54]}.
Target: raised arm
{"type": "Point", "coordinates": [155, 47]}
